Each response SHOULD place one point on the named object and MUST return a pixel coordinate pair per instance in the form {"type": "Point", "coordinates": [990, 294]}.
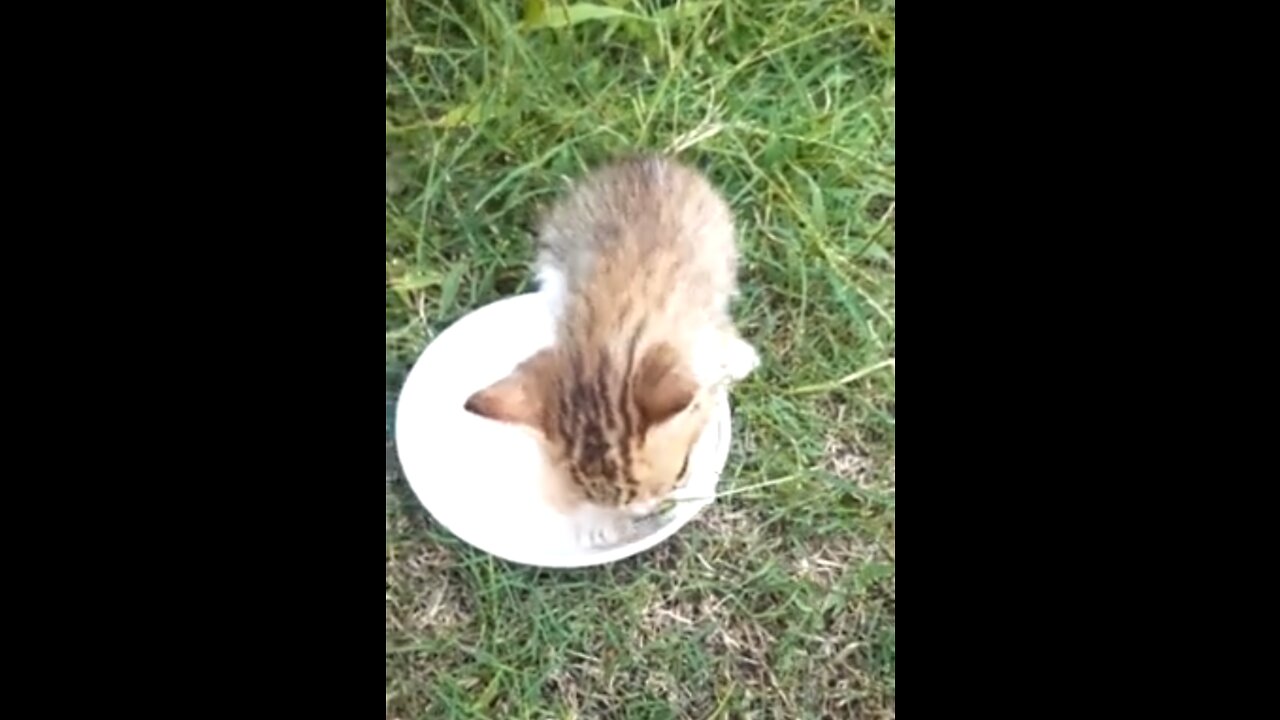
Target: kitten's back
{"type": "Point", "coordinates": [638, 262]}
{"type": "Point", "coordinates": [643, 234]}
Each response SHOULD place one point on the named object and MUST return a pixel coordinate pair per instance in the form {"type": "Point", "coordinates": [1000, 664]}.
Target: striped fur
{"type": "Point", "coordinates": [639, 261]}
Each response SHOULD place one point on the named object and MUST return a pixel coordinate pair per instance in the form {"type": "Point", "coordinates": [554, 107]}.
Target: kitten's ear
{"type": "Point", "coordinates": [662, 385]}
{"type": "Point", "coordinates": [515, 398]}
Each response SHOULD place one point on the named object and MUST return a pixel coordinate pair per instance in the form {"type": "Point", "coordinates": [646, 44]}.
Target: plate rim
{"type": "Point", "coordinates": [722, 423]}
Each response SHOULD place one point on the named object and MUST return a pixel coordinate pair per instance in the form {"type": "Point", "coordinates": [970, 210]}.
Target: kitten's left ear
{"type": "Point", "coordinates": [663, 387]}
{"type": "Point", "coordinates": [515, 398]}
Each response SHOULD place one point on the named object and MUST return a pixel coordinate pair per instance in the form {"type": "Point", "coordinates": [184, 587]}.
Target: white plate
{"type": "Point", "coordinates": [480, 478]}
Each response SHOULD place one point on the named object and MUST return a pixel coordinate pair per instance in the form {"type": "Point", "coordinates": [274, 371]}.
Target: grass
{"type": "Point", "coordinates": [779, 601]}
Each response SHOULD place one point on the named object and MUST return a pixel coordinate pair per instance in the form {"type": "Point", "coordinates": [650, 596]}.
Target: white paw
{"type": "Point", "coordinates": [552, 286]}
{"type": "Point", "coordinates": [596, 529]}
{"type": "Point", "coordinates": [722, 357]}
{"type": "Point", "coordinates": [741, 359]}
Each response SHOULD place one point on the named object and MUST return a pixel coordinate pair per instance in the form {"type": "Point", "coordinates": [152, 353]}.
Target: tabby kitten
{"type": "Point", "coordinates": [639, 262]}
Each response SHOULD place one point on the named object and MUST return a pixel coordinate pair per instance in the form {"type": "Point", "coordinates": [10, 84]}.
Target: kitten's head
{"type": "Point", "coordinates": [619, 433]}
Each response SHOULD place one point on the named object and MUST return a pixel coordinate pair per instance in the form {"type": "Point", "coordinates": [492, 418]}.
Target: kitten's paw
{"type": "Point", "coordinates": [741, 359]}
{"type": "Point", "coordinates": [598, 538]}
{"type": "Point", "coordinates": [552, 285]}
{"type": "Point", "coordinates": [597, 530]}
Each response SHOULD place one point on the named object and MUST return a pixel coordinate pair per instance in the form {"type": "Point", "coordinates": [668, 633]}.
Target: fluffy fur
{"type": "Point", "coordinates": [639, 262]}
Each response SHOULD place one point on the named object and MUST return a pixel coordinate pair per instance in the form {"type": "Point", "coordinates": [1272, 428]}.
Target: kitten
{"type": "Point", "coordinates": [639, 262]}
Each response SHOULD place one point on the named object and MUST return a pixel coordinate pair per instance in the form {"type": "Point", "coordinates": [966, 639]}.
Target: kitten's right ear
{"type": "Point", "coordinates": [662, 387]}
{"type": "Point", "coordinates": [515, 398]}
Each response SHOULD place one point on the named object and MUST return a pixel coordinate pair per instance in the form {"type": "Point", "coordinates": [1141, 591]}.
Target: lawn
{"type": "Point", "coordinates": [777, 602]}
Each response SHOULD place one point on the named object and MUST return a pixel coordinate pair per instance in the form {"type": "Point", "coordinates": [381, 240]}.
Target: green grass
{"type": "Point", "coordinates": [778, 602]}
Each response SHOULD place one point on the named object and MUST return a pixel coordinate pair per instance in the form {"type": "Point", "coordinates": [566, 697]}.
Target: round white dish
{"type": "Point", "coordinates": [480, 478]}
